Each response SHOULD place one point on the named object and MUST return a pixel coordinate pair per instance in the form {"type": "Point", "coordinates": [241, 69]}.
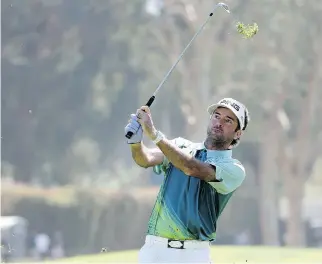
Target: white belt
{"type": "Point", "coordinates": [169, 243]}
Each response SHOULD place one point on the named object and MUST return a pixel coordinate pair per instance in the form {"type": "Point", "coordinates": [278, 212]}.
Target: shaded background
{"type": "Point", "coordinates": [73, 72]}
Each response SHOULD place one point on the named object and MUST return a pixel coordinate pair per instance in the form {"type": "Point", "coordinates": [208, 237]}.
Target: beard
{"type": "Point", "coordinates": [217, 139]}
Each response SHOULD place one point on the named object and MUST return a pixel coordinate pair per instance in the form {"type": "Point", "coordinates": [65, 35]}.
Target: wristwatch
{"type": "Point", "coordinates": [159, 137]}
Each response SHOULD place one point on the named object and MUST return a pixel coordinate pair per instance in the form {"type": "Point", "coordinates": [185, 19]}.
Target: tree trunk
{"type": "Point", "coordinates": [268, 192]}
{"type": "Point", "coordinates": [268, 172]}
{"type": "Point", "coordinates": [295, 232]}
{"type": "Point", "coordinates": [292, 170]}
{"type": "Point", "coordinates": [297, 171]}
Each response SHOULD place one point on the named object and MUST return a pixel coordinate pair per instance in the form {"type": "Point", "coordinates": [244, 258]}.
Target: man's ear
{"type": "Point", "coordinates": [238, 134]}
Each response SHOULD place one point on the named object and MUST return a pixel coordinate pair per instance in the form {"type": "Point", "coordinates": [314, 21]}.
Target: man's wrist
{"type": "Point", "coordinates": [158, 138]}
{"type": "Point", "coordinates": [154, 134]}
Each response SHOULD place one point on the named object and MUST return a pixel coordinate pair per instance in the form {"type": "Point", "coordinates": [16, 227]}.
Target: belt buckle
{"type": "Point", "coordinates": [175, 244]}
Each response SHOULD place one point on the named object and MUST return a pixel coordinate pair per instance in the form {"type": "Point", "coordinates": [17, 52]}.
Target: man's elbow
{"type": "Point", "coordinates": [194, 172]}
{"type": "Point", "coordinates": [197, 174]}
{"type": "Point", "coordinates": [146, 165]}
{"type": "Point", "coordinates": [189, 172]}
{"type": "Point", "coordinates": [142, 164]}
{"type": "Point", "coordinates": [200, 174]}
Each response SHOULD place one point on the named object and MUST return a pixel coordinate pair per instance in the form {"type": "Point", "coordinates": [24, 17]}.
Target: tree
{"type": "Point", "coordinates": [65, 77]}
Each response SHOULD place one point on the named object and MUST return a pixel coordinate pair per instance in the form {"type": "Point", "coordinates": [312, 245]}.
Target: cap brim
{"type": "Point", "coordinates": [211, 109]}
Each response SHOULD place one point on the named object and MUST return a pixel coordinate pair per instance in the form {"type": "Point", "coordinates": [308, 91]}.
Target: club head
{"type": "Point", "coordinates": [224, 6]}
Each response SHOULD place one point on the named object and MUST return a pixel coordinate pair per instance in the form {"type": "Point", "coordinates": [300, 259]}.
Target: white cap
{"type": "Point", "coordinates": [236, 107]}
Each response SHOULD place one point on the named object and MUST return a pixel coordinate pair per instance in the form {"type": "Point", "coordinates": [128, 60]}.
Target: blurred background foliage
{"type": "Point", "coordinates": [73, 72]}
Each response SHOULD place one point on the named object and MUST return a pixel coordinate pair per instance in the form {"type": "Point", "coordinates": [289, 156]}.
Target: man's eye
{"type": "Point", "coordinates": [229, 121]}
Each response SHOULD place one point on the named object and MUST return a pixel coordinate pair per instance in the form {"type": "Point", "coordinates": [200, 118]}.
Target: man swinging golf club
{"type": "Point", "coordinates": [199, 180]}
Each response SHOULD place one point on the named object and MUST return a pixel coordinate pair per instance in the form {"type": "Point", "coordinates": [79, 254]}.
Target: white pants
{"type": "Point", "coordinates": [156, 250]}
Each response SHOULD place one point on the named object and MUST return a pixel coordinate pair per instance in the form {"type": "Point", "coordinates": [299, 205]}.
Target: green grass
{"type": "Point", "coordinates": [220, 254]}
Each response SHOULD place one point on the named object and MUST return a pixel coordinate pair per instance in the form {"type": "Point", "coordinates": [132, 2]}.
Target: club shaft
{"type": "Point", "coordinates": [184, 51]}
{"type": "Point", "coordinates": [180, 57]}
{"type": "Point", "coordinates": [149, 103]}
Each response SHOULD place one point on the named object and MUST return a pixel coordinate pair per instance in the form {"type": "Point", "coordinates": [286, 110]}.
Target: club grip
{"type": "Point", "coordinates": [149, 103]}
{"type": "Point", "coordinates": [129, 134]}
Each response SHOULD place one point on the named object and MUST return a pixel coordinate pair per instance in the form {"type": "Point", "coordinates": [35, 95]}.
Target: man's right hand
{"type": "Point", "coordinates": [134, 127]}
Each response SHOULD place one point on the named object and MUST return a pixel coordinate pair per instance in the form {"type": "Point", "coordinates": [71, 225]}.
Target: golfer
{"type": "Point", "coordinates": [200, 178]}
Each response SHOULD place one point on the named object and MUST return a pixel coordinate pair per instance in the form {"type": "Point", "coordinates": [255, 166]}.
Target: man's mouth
{"type": "Point", "coordinates": [217, 130]}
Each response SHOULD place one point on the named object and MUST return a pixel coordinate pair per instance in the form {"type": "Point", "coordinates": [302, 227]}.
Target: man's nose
{"type": "Point", "coordinates": [220, 122]}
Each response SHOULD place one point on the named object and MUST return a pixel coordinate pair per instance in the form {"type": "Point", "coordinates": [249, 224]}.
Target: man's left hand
{"type": "Point", "coordinates": [145, 119]}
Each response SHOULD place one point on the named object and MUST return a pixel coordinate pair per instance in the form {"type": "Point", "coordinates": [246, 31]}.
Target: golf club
{"type": "Point", "coordinates": [150, 101]}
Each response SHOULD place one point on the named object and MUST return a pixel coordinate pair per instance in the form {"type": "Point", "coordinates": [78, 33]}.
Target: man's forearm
{"type": "Point", "coordinates": [177, 157]}
{"type": "Point", "coordinates": [140, 154]}
{"type": "Point", "coordinates": [146, 157]}
{"type": "Point", "coordinates": [186, 163]}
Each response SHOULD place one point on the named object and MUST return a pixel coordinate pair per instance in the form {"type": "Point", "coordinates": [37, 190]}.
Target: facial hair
{"type": "Point", "coordinates": [218, 142]}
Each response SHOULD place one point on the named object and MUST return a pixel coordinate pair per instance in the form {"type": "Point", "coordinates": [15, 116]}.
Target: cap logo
{"type": "Point", "coordinates": [228, 102]}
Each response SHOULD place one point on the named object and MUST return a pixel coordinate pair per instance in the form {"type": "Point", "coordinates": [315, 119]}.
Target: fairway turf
{"type": "Point", "coordinates": [220, 254]}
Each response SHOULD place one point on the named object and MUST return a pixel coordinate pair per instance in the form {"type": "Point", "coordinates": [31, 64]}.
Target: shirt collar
{"type": "Point", "coordinates": [218, 153]}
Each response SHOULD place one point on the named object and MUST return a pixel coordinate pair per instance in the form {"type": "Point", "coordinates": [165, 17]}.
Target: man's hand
{"type": "Point", "coordinates": [135, 128]}
{"type": "Point", "coordinates": [145, 119]}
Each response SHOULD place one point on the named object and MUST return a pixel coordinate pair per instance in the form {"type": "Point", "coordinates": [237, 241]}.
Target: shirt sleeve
{"type": "Point", "coordinates": [229, 175]}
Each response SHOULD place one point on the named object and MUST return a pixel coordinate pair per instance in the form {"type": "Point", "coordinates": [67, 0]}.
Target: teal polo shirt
{"type": "Point", "coordinates": [188, 208]}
